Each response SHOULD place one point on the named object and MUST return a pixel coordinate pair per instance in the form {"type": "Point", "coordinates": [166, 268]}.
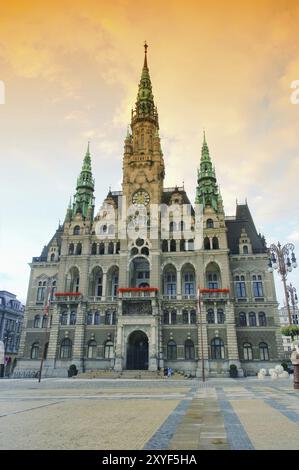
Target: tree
{"type": "Point", "coordinates": [290, 330]}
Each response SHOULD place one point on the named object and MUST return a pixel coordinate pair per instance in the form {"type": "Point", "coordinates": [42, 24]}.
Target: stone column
{"type": "Point", "coordinates": [232, 344]}
{"type": "Point", "coordinates": [78, 346]}
{"type": "Point", "coordinates": [53, 339]}
{"type": "Point", "coordinates": [201, 318]}
{"type": "Point", "coordinates": [104, 293]}
{"type": "Point", "coordinates": [118, 365]}
{"type": "Point", "coordinates": [179, 284]}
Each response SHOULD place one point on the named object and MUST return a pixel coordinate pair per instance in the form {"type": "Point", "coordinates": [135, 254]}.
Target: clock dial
{"type": "Point", "coordinates": [141, 197]}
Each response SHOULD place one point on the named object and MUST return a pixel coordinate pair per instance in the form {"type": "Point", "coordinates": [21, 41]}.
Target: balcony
{"type": "Point", "coordinates": [214, 294]}
{"type": "Point", "coordinates": [68, 297]}
{"type": "Point", "coordinates": [138, 293]}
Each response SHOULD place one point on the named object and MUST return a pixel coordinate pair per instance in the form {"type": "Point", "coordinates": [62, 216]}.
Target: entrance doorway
{"type": "Point", "coordinates": [137, 351]}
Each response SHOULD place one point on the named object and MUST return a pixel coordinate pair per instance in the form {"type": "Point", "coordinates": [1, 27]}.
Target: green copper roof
{"type": "Point", "coordinates": [85, 187]}
{"type": "Point", "coordinates": [145, 106]}
{"type": "Point", "coordinates": [207, 192]}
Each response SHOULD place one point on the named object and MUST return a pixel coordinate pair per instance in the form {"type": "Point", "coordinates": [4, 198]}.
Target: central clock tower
{"type": "Point", "coordinates": [143, 164]}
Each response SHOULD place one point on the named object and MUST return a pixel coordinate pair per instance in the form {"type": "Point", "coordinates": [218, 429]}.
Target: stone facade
{"type": "Point", "coordinates": [123, 295]}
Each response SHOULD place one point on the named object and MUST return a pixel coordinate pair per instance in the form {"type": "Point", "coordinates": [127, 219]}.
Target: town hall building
{"type": "Point", "coordinates": [190, 292]}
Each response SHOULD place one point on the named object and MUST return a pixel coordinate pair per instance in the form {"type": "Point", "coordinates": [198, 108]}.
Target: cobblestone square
{"type": "Point", "coordinates": [149, 414]}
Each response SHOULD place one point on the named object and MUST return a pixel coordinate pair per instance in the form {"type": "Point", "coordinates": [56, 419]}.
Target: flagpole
{"type": "Point", "coordinates": [46, 312]}
{"type": "Point", "coordinates": [201, 337]}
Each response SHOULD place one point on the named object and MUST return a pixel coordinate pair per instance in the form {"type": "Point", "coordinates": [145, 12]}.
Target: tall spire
{"type": "Point", "coordinates": [85, 187]}
{"type": "Point", "coordinates": [145, 108]}
{"type": "Point", "coordinates": [207, 192]}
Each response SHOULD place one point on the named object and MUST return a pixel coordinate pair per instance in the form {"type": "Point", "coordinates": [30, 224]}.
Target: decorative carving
{"type": "Point", "coordinates": [131, 307]}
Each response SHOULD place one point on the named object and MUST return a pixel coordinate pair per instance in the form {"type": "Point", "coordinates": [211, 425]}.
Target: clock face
{"type": "Point", "coordinates": [141, 197]}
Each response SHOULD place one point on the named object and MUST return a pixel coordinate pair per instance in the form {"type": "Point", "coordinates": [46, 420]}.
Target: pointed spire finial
{"type": "Point", "coordinates": [145, 54]}
{"type": "Point", "coordinates": [204, 136]}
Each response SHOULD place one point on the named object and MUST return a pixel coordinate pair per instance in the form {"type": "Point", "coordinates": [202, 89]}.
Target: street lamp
{"type": "Point", "coordinates": [292, 293]}
{"type": "Point", "coordinates": [282, 259]}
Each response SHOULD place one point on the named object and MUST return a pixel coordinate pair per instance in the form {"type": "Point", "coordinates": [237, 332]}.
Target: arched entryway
{"type": "Point", "coordinates": [137, 351]}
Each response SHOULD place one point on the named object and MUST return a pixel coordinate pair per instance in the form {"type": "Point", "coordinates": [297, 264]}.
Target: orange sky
{"type": "Point", "coordinates": [71, 70]}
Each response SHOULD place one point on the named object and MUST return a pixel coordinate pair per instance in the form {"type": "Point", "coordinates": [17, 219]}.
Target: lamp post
{"type": "Point", "coordinates": [282, 259]}
{"type": "Point", "coordinates": [292, 294]}
{"type": "Point", "coordinates": [7, 334]}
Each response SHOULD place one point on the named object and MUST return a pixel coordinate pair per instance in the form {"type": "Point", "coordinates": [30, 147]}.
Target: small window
{"type": "Point", "coordinates": [247, 351]}
{"type": "Point", "coordinates": [66, 349]}
{"type": "Point", "coordinates": [76, 230]}
{"type": "Point", "coordinates": [171, 350]}
{"type": "Point", "coordinates": [264, 352]}
{"type": "Point", "coordinates": [210, 223]}
{"type": "Point", "coordinates": [34, 351]}
{"type": "Point", "coordinates": [189, 350]}
{"type": "Point", "coordinates": [245, 250]}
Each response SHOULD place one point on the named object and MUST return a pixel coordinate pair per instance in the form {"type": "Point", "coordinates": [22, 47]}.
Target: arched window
{"type": "Point", "coordinates": [111, 248]}
{"type": "Point", "coordinates": [36, 321]}
{"type": "Point", "coordinates": [262, 319]}
{"type": "Point", "coordinates": [240, 286]}
{"type": "Point", "coordinates": [173, 317]}
{"type": "Point", "coordinates": [215, 243]}
{"type": "Point", "coordinates": [166, 317]}
{"type": "Point", "coordinates": [188, 283]}
{"type": "Point", "coordinates": [97, 318]}
{"type": "Point", "coordinates": [71, 249]}
{"type": "Point", "coordinates": [252, 319]}
{"type": "Point", "coordinates": [217, 348]}
{"type": "Point", "coordinates": [247, 351]}
{"type": "Point", "coordinates": [210, 223]}
{"type": "Point", "coordinates": [45, 321]}
{"type": "Point", "coordinates": [257, 286]}
{"type": "Point", "coordinates": [92, 349]}
{"type": "Point", "coordinates": [182, 245]}
{"type": "Point", "coordinates": [108, 350]}
{"type": "Point", "coordinates": [189, 350]}
{"type": "Point", "coordinates": [245, 250]}
{"type": "Point", "coordinates": [206, 243]}
{"type": "Point", "coordinates": [66, 349]}
{"type": "Point", "coordinates": [220, 316]}
{"type": "Point", "coordinates": [63, 318]}
{"type": "Point", "coordinates": [172, 245]}
{"type": "Point", "coordinates": [185, 317]}
{"type": "Point", "coordinates": [41, 291]}
{"type": "Point", "coordinates": [52, 258]}
{"type": "Point", "coordinates": [211, 316]}
{"type": "Point", "coordinates": [193, 317]}
{"type": "Point", "coordinates": [73, 318]}
{"type": "Point", "coordinates": [171, 350]}
{"type": "Point", "coordinates": [34, 351]}
{"type": "Point", "coordinates": [79, 249]}
{"type": "Point", "coordinates": [264, 352]}
{"type": "Point", "coordinates": [94, 249]}
{"type": "Point", "coordinates": [213, 281]}
{"type": "Point", "coordinates": [165, 246]}
{"type": "Point", "coordinates": [110, 317]}
{"type": "Point", "coordinates": [117, 248]}
{"type": "Point", "coordinates": [242, 319]}
{"type": "Point", "coordinates": [89, 318]}
{"type": "Point", "coordinates": [76, 230]}
{"type": "Point", "coordinates": [170, 282]}
{"type": "Point", "coordinates": [102, 249]}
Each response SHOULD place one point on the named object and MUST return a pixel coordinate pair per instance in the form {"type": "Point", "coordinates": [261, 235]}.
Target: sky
{"type": "Point", "coordinates": [71, 70]}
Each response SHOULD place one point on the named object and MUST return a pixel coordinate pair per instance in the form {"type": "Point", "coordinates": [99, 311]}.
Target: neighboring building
{"type": "Point", "coordinates": [11, 321]}
{"type": "Point", "coordinates": [152, 321]}
{"type": "Point", "coordinates": [284, 321]}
